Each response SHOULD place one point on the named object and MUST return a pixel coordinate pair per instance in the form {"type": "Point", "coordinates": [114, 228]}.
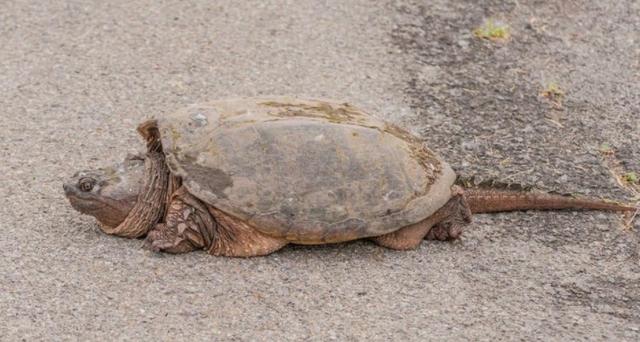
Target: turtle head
{"type": "Point", "coordinates": [109, 193]}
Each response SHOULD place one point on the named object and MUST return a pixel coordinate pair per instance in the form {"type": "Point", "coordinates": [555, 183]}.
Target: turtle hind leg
{"type": "Point", "coordinates": [451, 227]}
{"type": "Point", "coordinates": [445, 224]}
{"type": "Point", "coordinates": [405, 238]}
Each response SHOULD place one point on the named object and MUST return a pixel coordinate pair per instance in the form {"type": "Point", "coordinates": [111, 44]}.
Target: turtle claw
{"type": "Point", "coordinates": [162, 245]}
{"type": "Point", "coordinates": [444, 232]}
{"type": "Point", "coordinates": [148, 245]}
{"type": "Point", "coordinates": [156, 241]}
{"type": "Point", "coordinates": [176, 246]}
{"type": "Point", "coordinates": [162, 239]}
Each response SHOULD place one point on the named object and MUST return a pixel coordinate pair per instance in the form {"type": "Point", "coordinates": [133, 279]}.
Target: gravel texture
{"type": "Point", "coordinates": [77, 76]}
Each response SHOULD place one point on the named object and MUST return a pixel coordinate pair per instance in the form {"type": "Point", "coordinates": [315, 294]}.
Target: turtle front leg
{"type": "Point", "coordinates": [444, 224]}
{"type": "Point", "coordinates": [163, 239]}
{"type": "Point", "coordinates": [181, 231]}
{"type": "Point", "coordinates": [191, 225]}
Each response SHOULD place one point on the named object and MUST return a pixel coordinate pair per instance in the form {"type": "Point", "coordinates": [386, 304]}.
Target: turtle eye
{"type": "Point", "coordinates": [86, 184]}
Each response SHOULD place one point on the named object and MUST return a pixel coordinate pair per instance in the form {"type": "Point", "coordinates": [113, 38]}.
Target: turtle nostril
{"type": "Point", "coordinates": [67, 188]}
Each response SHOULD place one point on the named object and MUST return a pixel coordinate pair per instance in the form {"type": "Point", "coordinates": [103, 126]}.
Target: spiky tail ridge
{"type": "Point", "coordinates": [484, 200]}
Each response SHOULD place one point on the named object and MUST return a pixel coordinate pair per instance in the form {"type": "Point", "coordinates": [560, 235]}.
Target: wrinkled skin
{"type": "Point", "coordinates": [109, 193]}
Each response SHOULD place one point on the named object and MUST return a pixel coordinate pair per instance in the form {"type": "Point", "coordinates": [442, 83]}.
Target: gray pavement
{"type": "Point", "coordinates": [77, 76]}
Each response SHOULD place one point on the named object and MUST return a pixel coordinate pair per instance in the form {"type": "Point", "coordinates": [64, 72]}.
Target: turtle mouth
{"type": "Point", "coordinates": [86, 202]}
{"type": "Point", "coordinates": [74, 195]}
{"type": "Point", "coordinates": [108, 212]}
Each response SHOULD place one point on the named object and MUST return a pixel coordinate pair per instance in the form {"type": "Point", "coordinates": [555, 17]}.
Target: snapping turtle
{"type": "Point", "coordinates": [245, 177]}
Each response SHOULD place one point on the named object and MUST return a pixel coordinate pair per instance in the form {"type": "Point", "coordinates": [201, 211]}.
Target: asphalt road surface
{"type": "Point", "coordinates": [556, 105]}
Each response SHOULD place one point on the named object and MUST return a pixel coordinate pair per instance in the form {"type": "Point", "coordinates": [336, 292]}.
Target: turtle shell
{"type": "Point", "coordinates": [310, 171]}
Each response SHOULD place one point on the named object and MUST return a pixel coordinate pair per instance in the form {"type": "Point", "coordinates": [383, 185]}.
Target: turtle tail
{"type": "Point", "coordinates": [487, 200]}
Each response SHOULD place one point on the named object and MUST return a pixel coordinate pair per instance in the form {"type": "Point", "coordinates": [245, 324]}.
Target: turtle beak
{"type": "Point", "coordinates": [71, 193]}
{"type": "Point", "coordinates": [69, 189]}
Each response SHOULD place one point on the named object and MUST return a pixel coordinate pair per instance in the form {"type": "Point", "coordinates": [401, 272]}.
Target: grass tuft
{"type": "Point", "coordinates": [492, 31]}
{"type": "Point", "coordinates": [554, 94]}
{"type": "Point", "coordinates": [630, 177]}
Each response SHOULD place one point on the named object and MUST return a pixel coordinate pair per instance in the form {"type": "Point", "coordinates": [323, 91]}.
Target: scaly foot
{"type": "Point", "coordinates": [162, 239]}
